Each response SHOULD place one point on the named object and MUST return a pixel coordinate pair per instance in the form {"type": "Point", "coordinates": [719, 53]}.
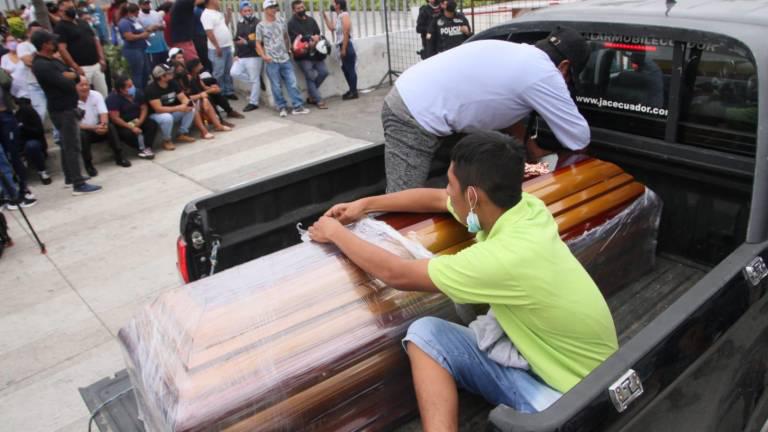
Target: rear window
{"type": "Point", "coordinates": [625, 84]}
{"type": "Point", "coordinates": [719, 101]}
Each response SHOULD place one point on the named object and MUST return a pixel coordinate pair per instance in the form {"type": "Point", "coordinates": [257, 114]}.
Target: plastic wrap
{"type": "Point", "coordinates": [623, 239]}
{"type": "Point", "coordinates": [303, 339]}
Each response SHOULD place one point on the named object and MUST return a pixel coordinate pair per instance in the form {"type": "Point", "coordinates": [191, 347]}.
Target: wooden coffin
{"type": "Point", "coordinates": [302, 339]}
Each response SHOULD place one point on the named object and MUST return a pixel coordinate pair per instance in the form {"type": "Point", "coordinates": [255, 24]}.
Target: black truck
{"type": "Point", "coordinates": [676, 94]}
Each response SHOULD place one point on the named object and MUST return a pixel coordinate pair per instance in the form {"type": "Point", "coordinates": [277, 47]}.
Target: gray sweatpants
{"type": "Point", "coordinates": [408, 148]}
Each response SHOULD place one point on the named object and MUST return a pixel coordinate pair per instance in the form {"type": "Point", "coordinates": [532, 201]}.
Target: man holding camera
{"type": "Point", "coordinates": [312, 63]}
{"type": "Point", "coordinates": [58, 82]}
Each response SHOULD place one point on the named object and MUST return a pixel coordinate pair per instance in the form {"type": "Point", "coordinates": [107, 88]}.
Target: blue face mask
{"type": "Point", "coordinates": [132, 91]}
{"type": "Point", "coordinates": [473, 222]}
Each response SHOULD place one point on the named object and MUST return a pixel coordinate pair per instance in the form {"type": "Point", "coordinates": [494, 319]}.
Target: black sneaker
{"type": "Point", "coordinates": [25, 202]}
{"type": "Point", "coordinates": [45, 178]}
{"type": "Point", "coordinates": [350, 95]}
{"type": "Point", "coordinates": [90, 169]}
{"type": "Point", "coordinates": [123, 163]}
{"type": "Point", "coordinates": [231, 97]}
{"type": "Point", "coordinates": [250, 107]}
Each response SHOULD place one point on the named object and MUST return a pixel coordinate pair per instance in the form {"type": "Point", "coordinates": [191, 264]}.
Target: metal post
{"type": "Point", "coordinates": [386, 30]}
{"type": "Point", "coordinates": [472, 8]}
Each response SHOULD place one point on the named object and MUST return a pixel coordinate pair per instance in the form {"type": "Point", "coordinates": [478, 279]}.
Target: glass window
{"type": "Point", "coordinates": [625, 84]}
{"type": "Point", "coordinates": [719, 103]}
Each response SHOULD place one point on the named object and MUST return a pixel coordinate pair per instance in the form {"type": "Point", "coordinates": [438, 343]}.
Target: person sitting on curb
{"type": "Point", "coordinates": [94, 126]}
{"type": "Point", "coordinates": [168, 106]}
{"type": "Point", "coordinates": [557, 321]}
{"type": "Point", "coordinates": [128, 112]}
{"type": "Point", "coordinates": [204, 110]}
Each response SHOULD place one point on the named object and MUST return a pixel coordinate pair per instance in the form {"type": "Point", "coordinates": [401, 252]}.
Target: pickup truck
{"type": "Point", "coordinates": [674, 95]}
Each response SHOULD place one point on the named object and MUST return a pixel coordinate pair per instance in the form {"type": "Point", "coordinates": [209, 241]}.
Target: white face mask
{"type": "Point", "coordinates": [473, 221]}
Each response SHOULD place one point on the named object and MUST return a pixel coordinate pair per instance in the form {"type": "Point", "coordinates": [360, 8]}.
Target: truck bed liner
{"type": "Point", "coordinates": [640, 302]}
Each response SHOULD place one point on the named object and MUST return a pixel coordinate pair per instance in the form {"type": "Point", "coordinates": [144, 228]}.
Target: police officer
{"type": "Point", "coordinates": [494, 85]}
{"type": "Point", "coordinates": [427, 13]}
{"type": "Point", "coordinates": [448, 30]}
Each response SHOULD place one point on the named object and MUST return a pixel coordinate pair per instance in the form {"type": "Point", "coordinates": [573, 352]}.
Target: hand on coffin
{"type": "Point", "coordinates": [346, 213]}
{"type": "Point", "coordinates": [322, 230]}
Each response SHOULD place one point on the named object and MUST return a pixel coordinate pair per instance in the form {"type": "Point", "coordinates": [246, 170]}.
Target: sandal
{"type": "Point", "coordinates": [208, 136]}
{"type": "Point", "coordinates": [321, 105]}
{"type": "Point", "coordinates": [223, 129]}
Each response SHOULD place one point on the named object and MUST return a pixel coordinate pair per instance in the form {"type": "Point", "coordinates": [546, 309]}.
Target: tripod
{"type": "Point", "coordinates": [7, 187]}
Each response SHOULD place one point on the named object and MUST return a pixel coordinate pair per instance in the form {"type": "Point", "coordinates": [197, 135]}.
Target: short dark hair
{"type": "Point", "coordinates": [342, 4]}
{"type": "Point", "coordinates": [121, 82]}
{"type": "Point", "coordinates": [39, 38]}
{"type": "Point", "coordinates": [493, 162]}
{"type": "Point", "coordinates": [165, 7]}
{"type": "Point", "coordinates": [295, 3]}
{"type": "Point", "coordinates": [451, 6]}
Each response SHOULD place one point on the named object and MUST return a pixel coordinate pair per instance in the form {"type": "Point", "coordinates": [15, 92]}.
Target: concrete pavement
{"type": "Point", "coordinates": [112, 252]}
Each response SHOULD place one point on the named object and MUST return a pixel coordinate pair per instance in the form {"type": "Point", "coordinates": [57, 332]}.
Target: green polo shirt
{"type": "Point", "coordinates": [543, 298]}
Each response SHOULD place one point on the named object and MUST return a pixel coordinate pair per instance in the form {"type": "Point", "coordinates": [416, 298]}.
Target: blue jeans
{"type": "Point", "coordinates": [34, 150]}
{"type": "Point", "coordinates": [248, 69]}
{"type": "Point", "coordinates": [166, 121]}
{"type": "Point", "coordinates": [276, 72]}
{"type": "Point", "coordinates": [348, 67]}
{"type": "Point", "coordinates": [11, 143]}
{"type": "Point", "coordinates": [454, 347]}
{"type": "Point", "coordinates": [315, 73]}
{"type": "Point", "coordinates": [221, 66]}
{"type": "Point", "coordinates": [137, 61]}
{"type": "Point", "coordinates": [7, 185]}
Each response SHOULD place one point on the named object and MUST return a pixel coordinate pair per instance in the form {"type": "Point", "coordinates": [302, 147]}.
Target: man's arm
{"type": "Point", "coordinates": [206, 22]}
{"type": "Point", "coordinates": [144, 111]}
{"type": "Point", "coordinates": [399, 273]}
{"type": "Point", "coordinates": [158, 107]}
{"type": "Point", "coordinates": [261, 52]}
{"type": "Point", "coordinates": [68, 58]}
{"type": "Point", "coordinates": [114, 116]}
{"type": "Point", "coordinates": [100, 52]}
{"type": "Point", "coordinates": [551, 99]}
{"type": "Point", "coordinates": [422, 200]}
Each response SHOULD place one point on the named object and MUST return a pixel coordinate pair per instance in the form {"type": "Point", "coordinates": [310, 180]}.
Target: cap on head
{"type": "Point", "coordinates": [160, 70]}
{"type": "Point", "coordinates": [269, 4]}
{"type": "Point", "coordinates": [566, 44]}
{"type": "Point", "coordinates": [244, 4]}
{"type": "Point", "coordinates": [173, 52]}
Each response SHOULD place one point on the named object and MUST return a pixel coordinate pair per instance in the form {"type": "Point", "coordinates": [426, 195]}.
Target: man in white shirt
{"type": "Point", "coordinates": [94, 126]}
{"type": "Point", "coordinates": [26, 52]}
{"type": "Point", "coordinates": [219, 46]}
{"type": "Point", "coordinates": [494, 85]}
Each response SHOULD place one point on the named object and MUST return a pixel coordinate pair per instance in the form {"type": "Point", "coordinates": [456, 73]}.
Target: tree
{"type": "Point", "coordinates": [41, 14]}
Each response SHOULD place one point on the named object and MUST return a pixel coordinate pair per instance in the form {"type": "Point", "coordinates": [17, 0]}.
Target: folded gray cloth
{"type": "Point", "coordinates": [492, 340]}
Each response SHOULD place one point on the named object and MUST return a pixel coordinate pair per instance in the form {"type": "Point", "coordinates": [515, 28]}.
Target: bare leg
{"type": "Point", "coordinates": [210, 114]}
{"type": "Point", "coordinates": [435, 391]}
{"type": "Point", "coordinates": [199, 124]}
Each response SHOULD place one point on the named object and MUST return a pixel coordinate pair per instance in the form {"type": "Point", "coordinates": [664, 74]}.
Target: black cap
{"type": "Point", "coordinates": [42, 36]}
{"type": "Point", "coordinates": [144, 1]}
{"type": "Point", "coordinates": [566, 44]}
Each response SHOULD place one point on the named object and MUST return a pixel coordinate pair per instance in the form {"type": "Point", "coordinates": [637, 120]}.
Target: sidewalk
{"type": "Point", "coordinates": [110, 253]}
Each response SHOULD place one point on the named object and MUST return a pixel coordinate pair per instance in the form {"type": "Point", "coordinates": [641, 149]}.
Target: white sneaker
{"type": "Point", "coordinates": [283, 113]}
{"type": "Point", "coordinates": [28, 195]}
{"type": "Point", "coordinates": [147, 153]}
{"type": "Point", "coordinates": [300, 111]}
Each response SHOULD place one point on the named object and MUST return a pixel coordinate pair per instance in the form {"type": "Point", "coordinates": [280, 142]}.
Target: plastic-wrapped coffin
{"type": "Point", "coordinates": [302, 339]}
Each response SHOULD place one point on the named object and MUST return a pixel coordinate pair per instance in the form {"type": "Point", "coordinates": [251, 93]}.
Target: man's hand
{"type": "Point", "coordinates": [322, 231]}
{"type": "Point", "coordinates": [70, 75]}
{"type": "Point", "coordinates": [346, 213]}
{"type": "Point", "coordinates": [465, 30]}
{"type": "Point", "coordinates": [136, 131]}
{"type": "Point", "coordinates": [101, 129]}
{"type": "Point", "coordinates": [184, 108]}
{"type": "Point", "coordinates": [343, 53]}
{"type": "Point", "coordinates": [240, 41]}
{"type": "Point", "coordinates": [79, 71]}
{"type": "Point", "coordinates": [267, 59]}
{"type": "Point", "coordinates": [103, 64]}
{"type": "Point", "coordinates": [219, 52]}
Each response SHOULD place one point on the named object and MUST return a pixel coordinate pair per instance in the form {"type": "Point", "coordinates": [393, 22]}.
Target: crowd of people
{"type": "Point", "coordinates": [173, 72]}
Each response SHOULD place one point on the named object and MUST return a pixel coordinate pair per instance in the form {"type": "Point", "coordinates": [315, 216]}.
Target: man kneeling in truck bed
{"type": "Point", "coordinates": [542, 297]}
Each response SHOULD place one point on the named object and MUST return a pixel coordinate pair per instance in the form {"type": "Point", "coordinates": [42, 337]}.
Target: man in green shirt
{"type": "Point", "coordinates": [543, 299]}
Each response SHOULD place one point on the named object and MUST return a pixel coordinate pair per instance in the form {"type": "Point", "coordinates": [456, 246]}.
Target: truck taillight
{"type": "Point", "coordinates": [181, 255]}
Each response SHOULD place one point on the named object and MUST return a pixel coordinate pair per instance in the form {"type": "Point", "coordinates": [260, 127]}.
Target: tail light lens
{"type": "Point", "coordinates": [181, 256]}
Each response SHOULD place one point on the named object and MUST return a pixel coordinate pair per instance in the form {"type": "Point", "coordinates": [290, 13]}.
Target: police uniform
{"type": "Point", "coordinates": [445, 33]}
